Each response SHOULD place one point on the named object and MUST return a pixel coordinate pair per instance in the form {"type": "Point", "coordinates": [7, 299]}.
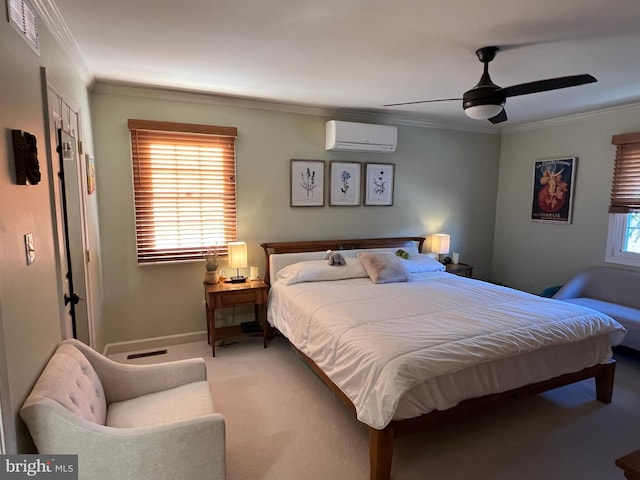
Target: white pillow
{"type": "Point", "coordinates": [278, 261]}
{"type": "Point", "coordinates": [320, 270]}
{"type": "Point", "coordinates": [423, 263]}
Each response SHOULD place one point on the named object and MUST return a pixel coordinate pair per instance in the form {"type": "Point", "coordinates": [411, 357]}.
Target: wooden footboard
{"type": "Point", "coordinates": [381, 441]}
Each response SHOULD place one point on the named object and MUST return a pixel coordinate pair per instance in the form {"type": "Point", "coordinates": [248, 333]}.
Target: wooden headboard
{"type": "Point", "coordinates": [323, 245]}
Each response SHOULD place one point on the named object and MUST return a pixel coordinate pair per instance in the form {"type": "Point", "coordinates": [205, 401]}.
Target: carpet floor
{"type": "Point", "coordinates": [284, 424]}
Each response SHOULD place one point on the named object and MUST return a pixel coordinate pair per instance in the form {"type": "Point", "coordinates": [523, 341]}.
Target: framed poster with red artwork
{"type": "Point", "coordinates": [553, 190]}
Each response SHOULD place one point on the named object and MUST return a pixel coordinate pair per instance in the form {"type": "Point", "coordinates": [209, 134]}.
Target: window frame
{"type": "Point", "coordinates": [625, 198]}
{"type": "Point", "coordinates": [615, 242]}
{"type": "Point", "coordinates": [209, 197]}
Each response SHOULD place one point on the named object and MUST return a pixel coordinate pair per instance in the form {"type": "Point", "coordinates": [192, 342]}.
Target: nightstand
{"type": "Point", "coordinates": [630, 465]}
{"type": "Point", "coordinates": [460, 269]}
{"type": "Point", "coordinates": [224, 295]}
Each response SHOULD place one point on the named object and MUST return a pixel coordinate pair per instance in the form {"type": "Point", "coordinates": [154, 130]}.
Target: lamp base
{"type": "Point", "coordinates": [237, 279]}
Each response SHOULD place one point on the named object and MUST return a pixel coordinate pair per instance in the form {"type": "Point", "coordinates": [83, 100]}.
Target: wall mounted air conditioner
{"type": "Point", "coordinates": [360, 137]}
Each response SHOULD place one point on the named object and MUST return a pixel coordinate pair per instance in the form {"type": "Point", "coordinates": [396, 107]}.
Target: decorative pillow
{"type": "Point", "coordinates": [319, 270]}
{"type": "Point", "coordinates": [384, 267]}
{"type": "Point", "coordinates": [423, 263]}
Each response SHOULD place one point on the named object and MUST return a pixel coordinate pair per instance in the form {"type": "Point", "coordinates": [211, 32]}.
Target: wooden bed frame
{"type": "Point", "coordinates": [381, 441]}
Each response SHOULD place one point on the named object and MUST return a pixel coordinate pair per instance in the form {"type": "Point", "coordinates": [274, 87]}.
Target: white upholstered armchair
{"type": "Point", "coordinates": [134, 422]}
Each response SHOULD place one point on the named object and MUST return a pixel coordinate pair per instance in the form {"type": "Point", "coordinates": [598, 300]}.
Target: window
{"type": "Point", "coordinates": [184, 181]}
{"type": "Point", "coordinates": [623, 243]}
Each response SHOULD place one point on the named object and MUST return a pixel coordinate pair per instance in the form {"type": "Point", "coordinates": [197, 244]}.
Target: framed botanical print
{"type": "Point", "coordinates": [379, 183]}
{"type": "Point", "coordinates": [307, 183]}
{"type": "Point", "coordinates": [344, 189]}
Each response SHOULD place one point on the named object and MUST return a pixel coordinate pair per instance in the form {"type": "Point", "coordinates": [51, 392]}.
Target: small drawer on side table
{"type": "Point", "coordinates": [231, 299]}
{"type": "Point", "coordinates": [460, 269]}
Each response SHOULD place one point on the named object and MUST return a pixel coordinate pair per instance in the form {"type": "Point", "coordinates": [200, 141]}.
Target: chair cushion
{"type": "Point", "coordinates": [629, 317]}
{"type": "Point", "coordinates": [180, 403]}
{"type": "Point", "coordinates": [620, 313]}
{"type": "Point", "coordinates": [70, 380]}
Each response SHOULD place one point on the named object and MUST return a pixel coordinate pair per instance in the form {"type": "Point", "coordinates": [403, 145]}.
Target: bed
{"type": "Point", "coordinates": [405, 345]}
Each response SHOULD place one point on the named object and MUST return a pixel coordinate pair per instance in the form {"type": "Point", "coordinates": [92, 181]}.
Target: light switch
{"type": "Point", "coordinates": [30, 250]}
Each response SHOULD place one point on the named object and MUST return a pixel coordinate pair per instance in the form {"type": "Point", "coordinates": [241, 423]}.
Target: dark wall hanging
{"type": "Point", "coordinates": [25, 154]}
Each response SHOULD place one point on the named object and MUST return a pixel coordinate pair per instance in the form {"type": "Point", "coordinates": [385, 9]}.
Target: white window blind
{"type": "Point", "coordinates": [184, 180]}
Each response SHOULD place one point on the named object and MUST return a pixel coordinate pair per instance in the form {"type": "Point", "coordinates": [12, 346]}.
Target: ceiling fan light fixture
{"type": "Point", "coordinates": [486, 100]}
{"type": "Point", "coordinates": [483, 112]}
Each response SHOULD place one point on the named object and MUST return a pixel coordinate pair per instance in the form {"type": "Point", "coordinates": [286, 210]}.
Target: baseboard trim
{"type": "Point", "coordinates": [156, 342]}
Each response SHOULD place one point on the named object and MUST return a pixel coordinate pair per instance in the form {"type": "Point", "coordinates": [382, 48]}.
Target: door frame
{"type": "Point", "coordinates": [8, 443]}
{"type": "Point", "coordinates": [51, 133]}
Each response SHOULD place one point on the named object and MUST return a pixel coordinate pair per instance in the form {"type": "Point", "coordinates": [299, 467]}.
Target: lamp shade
{"type": "Point", "coordinates": [483, 112]}
{"type": "Point", "coordinates": [237, 254]}
{"type": "Point", "coordinates": [440, 243]}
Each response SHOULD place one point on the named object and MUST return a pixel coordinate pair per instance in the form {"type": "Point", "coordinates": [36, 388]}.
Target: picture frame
{"type": "Point", "coordinates": [553, 190]}
{"type": "Point", "coordinates": [345, 184]}
{"type": "Point", "coordinates": [91, 173]}
{"type": "Point", "coordinates": [307, 183]}
{"type": "Point", "coordinates": [379, 184]}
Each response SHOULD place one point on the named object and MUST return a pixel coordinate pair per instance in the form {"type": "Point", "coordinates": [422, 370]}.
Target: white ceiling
{"type": "Point", "coordinates": [361, 54]}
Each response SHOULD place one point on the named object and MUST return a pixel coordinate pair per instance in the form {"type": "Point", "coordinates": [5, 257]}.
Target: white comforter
{"type": "Point", "coordinates": [376, 342]}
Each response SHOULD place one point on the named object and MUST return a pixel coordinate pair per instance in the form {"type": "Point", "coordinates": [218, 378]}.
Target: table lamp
{"type": "Point", "coordinates": [237, 260]}
{"type": "Point", "coordinates": [440, 244]}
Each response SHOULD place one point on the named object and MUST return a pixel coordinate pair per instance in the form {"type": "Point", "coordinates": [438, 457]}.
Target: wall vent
{"type": "Point", "coordinates": [22, 18]}
{"type": "Point", "coordinates": [146, 354]}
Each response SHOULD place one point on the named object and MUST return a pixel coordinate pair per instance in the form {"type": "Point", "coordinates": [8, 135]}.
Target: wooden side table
{"type": "Point", "coordinates": [630, 465]}
{"type": "Point", "coordinates": [460, 269]}
{"type": "Point", "coordinates": [223, 295]}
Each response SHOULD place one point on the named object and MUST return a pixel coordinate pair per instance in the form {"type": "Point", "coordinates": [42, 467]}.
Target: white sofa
{"type": "Point", "coordinates": [613, 291]}
{"type": "Point", "coordinates": [130, 422]}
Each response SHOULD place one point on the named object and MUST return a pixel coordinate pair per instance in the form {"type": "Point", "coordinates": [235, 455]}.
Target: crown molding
{"type": "Point", "coordinates": [560, 121]}
{"type": "Point", "coordinates": [347, 114]}
{"type": "Point", "coordinates": [52, 18]}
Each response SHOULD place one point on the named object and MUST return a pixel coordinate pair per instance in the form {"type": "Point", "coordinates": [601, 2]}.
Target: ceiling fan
{"type": "Point", "coordinates": [486, 100]}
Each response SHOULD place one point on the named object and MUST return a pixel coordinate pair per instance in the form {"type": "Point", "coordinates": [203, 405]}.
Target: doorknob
{"type": "Point", "coordinates": [74, 298]}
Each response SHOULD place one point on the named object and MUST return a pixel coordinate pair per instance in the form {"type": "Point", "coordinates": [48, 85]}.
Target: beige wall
{"type": "Point", "coordinates": [532, 256]}
{"type": "Point", "coordinates": [445, 182]}
{"type": "Point", "coordinates": [29, 297]}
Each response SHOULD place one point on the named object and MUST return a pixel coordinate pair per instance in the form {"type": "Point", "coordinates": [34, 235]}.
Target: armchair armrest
{"type": "Point", "coordinates": [123, 382]}
{"type": "Point", "coordinates": [197, 445]}
{"type": "Point", "coordinates": [575, 287]}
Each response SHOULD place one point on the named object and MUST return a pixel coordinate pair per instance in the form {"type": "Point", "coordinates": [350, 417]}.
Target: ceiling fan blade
{"type": "Point", "coordinates": [499, 118]}
{"type": "Point", "coordinates": [422, 101]}
{"type": "Point", "coordinates": [549, 84]}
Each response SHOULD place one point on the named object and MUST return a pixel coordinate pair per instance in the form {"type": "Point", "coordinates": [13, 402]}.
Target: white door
{"type": "Point", "coordinates": [75, 289]}
{"type": "Point", "coordinates": [69, 187]}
